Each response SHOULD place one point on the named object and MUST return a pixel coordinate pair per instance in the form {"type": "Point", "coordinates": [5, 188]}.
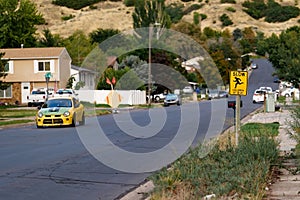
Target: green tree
{"type": "Point", "coordinates": [50, 40]}
{"type": "Point", "coordinates": [17, 23]}
{"type": "Point", "coordinates": [150, 12]}
{"type": "Point", "coordinates": [70, 82]}
{"type": "Point", "coordinates": [3, 74]}
{"type": "Point", "coordinates": [78, 46]}
{"type": "Point", "coordinates": [100, 35]}
{"type": "Point", "coordinates": [284, 53]}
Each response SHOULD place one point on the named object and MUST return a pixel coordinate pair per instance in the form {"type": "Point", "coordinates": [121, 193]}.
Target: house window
{"type": "Point", "coordinates": [9, 67]}
{"type": "Point", "coordinates": [44, 66]}
{"type": "Point", "coordinates": [6, 93]}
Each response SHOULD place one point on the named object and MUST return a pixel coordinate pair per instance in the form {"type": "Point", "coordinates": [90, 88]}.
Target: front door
{"type": "Point", "coordinates": [25, 90]}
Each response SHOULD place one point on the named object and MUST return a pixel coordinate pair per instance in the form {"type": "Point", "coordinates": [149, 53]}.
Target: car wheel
{"type": "Point", "coordinates": [287, 95]}
{"type": "Point", "coordinates": [178, 103]}
{"type": "Point", "coordinates": [82, 122]}
{"type": "Point", "coordinates": [165, 104]}
{"type": "Point", "coordinates": [157, 99]}
{"type": "Point", "coordinates": [73, 121]}
{"type": "Point", "coordinates": [38, 126]}
{"type": "Point", "coordinates": [254, 101]}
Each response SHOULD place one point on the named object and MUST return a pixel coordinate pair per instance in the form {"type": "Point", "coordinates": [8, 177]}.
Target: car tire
{"type": "Point", "coordinates": [254, 101]}
{"type": "Point", "coordinates": [165, 104]}
{"type": "Point", "coordinates": [157, 99]}
{"type": "Point", "coordinates": [37, 126]}
{"type": "Point", "coordinates": [287, 95]}
{"type": "Point", "coordinates": [73, 121]}
{"type": "Point", "coordinates": [82, 122]}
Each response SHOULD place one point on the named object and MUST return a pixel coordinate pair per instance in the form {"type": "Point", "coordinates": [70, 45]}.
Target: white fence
{"type": "Point", "coordinates": [130, 97]}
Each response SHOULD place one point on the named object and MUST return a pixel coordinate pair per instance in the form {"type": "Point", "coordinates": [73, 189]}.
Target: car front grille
{"type": "Point", "coordinates": [53, 121]}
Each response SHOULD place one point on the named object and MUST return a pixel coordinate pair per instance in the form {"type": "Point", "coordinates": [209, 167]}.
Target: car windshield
{"type": "Point", "coordinates": [64, 92]}
{"type": "Point", "coordinates": [58, 103]}
{"type": "Point", "coordinates": [171, 96]}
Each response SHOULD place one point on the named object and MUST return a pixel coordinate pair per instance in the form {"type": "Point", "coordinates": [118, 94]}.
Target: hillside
{"type": "Point", "coordinates": [115, 15]}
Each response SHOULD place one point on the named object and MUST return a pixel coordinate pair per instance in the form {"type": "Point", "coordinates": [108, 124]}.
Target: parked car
{"type": "Point", "coordinates": [215, 94]}
{"type": "Point", "coordinates": [65, 93]}
{"type": "Point", "coordinates": [156, 97]}
{"type": "Point", "coordinates": [267, 89]}
{"type": "Point", "coordinates": [188, 90]}
{"type": "Point", "coordinates": [276, 80]}
{"type": "Point", "coordinates": [38, 97]}
{"type": "Point", "coordinates": [288, 92]}
{"type": "Point", "coordinates": [172, 99]}
{"type": "Point", "coordinates": [60, 111]}
{"type": "Point", "coordinates": [254, 66]}
{"type": "Point", "coordinates": [259, 96]}
{"type": "Point", "coordinates": [223, 94]}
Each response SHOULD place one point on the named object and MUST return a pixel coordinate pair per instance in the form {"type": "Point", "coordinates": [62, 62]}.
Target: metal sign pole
{"type": "Point", "coordinates": [237, 118]}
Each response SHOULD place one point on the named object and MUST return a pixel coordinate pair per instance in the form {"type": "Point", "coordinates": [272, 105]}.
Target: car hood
{"type": "Point", "coordinates": [54, 110]}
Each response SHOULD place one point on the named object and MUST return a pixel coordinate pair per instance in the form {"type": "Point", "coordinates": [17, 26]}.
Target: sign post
{"type": "Point", "coordinates": [48, 75]}
{"type": "Point", "coordinates": [238, 86]}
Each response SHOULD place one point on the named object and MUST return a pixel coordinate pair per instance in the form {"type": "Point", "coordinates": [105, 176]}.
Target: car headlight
{"type": "Point", "coordinates": [67, 114]}
{"type": "Point", "coordinates": [40, 114]}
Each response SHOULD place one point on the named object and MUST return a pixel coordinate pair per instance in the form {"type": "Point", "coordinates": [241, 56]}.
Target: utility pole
{"type": "Point", "coordinates": [149, 65]}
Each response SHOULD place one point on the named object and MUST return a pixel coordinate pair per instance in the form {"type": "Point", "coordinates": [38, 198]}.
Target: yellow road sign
{"type": "Point", "coordinates": [238, 83]}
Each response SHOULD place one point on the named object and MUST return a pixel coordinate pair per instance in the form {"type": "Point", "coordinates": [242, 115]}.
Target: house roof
{"type": "Point", "coordinates": [30, 53]}
{"type": "Point", "coordinates": [82, 69]}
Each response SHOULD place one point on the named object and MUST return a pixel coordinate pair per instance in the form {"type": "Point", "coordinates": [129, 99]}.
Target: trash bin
{"type": "Point", "coordinates": [270, 102]}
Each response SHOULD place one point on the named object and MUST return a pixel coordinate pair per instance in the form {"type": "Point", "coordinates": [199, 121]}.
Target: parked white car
{"type": "Point", "coordinates": [259, 96]}
{"type": "Point", "coordinates": [267, 89]}
{"type": "Point", "coordinates": [288, 92]}
{"type": "Point", "coordinates": [65, 93]}
{"type": "Point", "coordinates": [188, 90]}
{"type": "Point", "coordinates": [38, 96]}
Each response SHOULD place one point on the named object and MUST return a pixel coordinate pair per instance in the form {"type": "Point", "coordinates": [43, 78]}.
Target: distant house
{"type": "Point", "coordinates": [27, 68]}
{"type": "Point", "coordinates": [112, 62]}
{"type": "Point", "coordinates": [192, 64]}
{"type": "Point", "coordinates": [85, 76]}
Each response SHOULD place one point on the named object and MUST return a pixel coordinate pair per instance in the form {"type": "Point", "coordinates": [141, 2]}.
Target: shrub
{"type": "Point", "coordinates": [75, 4]}
{"type": "Point", "coordinates": [277, 13]}
{"type": "Point", "coordinates": [175, 11]}
{"type": "Point", "coordinates": [228, 1]}
{"type": "Point", "coordinates": [192, 8]}
{"type": "Point", "coordinates": [65, 18]}
{"type": "Point", "coordinates": [92, 7]}
{"type": "Point", "coordinates": [129, 3]}
{"type": "Point", "coordinates": [222, 171]}
{"type": "Point", "coordinates": [226, 21]}
{"type": "Point", "coordinates": [273, 11]}
{"type": "Point", "coordinates": [230, 9]}
{"type": "Point", "coordinates": [197, 17]}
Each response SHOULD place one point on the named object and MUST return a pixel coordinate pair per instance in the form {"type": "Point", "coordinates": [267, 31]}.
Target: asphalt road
{"type": "Point", "coordinates": [54, 163]}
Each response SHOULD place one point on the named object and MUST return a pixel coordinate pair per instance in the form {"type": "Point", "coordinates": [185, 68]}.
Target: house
{"type": "Point", "coordinates": [192, 64]}
{"type": "Point", "coordinates": [85, 76]}
{"type": "Point", "coordinates": [27, 69]}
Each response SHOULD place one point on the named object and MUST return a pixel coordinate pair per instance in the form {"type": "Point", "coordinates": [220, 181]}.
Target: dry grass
{"type": "Point", "coordinates": [115, 15]}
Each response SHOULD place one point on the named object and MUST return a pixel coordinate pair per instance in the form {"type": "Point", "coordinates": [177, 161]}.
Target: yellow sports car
{"type": "Point", "coordinates": [60, 111]}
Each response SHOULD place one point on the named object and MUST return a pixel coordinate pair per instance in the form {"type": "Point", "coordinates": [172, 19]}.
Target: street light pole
{"type": "Point", "coordinates": [149, 65]}
{"type": "Point", "coordinates": [149, 58]}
